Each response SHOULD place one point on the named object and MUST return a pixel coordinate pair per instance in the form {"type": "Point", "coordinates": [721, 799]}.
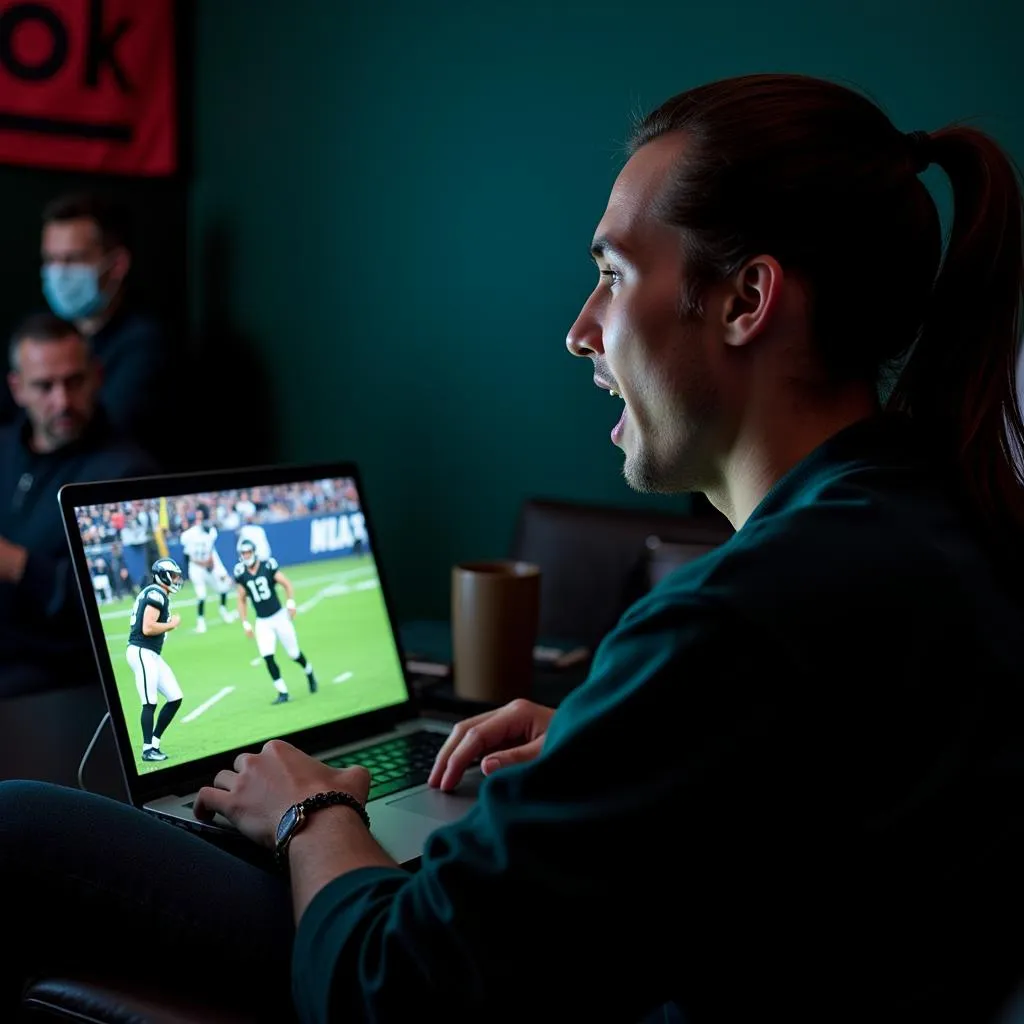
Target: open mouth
{"type": "Point", "coordinates": [619, 428]}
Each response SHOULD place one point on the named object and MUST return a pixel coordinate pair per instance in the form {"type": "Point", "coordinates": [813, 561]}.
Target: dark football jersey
{"type": "Point", "coordinates": [260, 586]}
{"type": "Point", "coordinates": [153, 596]}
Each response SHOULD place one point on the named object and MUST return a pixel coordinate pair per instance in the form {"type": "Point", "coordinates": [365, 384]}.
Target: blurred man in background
{"type": "Point", "coordinates": [61, 435]}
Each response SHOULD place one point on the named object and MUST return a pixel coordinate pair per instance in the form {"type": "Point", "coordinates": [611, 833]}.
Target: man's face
{"type": "Point", "coordinates": [56, 383]}
{"type": "Point", "coordinates": [631, 328]}
{"type": "Point", "coordinates": [78, 241]}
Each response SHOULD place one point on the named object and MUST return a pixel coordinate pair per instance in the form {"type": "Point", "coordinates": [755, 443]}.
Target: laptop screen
{"type": "Point", "coordinates": [264, 616]}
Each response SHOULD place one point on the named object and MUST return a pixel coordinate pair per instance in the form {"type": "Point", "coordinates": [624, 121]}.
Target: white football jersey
{"type": "Point", "coordinates": [198, 542]}
{"type": "Point", "coordinates": [259, 537]}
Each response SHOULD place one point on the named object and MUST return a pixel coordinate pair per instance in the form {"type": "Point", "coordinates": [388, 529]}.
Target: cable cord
{"type": "Point", "coordinates": [88, 749]}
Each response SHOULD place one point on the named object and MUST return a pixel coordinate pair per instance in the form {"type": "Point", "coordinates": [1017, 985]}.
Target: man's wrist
{"type": "Point", "coordinates": [300, 817]}
{"type": "Point", "coordinates": [335, 830]}
{"type": "Point", "coordinates": [290, 604]}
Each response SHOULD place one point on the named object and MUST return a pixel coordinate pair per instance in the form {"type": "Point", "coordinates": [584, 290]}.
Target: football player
{"type": "Point", "coordinates": [258, 580]}
{"type": "Point", "coordinates": [205, 568]}
{"type": "Point", "coordinates": [251, 530]}
{"type": "Point", "coordinates": [150, 621]}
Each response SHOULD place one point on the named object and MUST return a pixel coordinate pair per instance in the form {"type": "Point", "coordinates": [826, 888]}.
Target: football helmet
{"type": "Point", "coordinates": [167, 573]}
{"type": "Point", "coordinates": [247, 551]}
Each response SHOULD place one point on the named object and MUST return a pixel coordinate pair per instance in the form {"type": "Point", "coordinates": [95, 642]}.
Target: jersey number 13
{"type": "Point", "coordinates": [259, 588]}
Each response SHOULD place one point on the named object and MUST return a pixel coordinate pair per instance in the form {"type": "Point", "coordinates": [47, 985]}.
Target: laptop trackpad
{"type": "Point", "coordinates": [432, 803]}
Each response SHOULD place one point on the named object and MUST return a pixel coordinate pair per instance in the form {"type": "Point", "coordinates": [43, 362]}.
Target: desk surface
{"type": "Point", "coordinates": [430, 640]}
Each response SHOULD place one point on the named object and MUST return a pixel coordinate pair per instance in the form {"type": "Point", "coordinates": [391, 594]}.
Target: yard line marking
{"type": "Point", "coordinates": [312, 581]}
{"type": "Point", "coordinates": [338, 590]}
{"type": "Point", "coordinates": [342, 677]}
{"type": "Point", "coordinates": [318, 597]}
{"type": "Point", "coordinates": [206, 705]}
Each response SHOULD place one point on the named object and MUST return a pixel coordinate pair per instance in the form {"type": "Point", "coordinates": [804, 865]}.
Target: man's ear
{"type": "Point", "coordinates": [120, 262]}
{"type": "Point", "coordinates": [752, 296]}
{"type": "Point", "coordinates": [14, 383]}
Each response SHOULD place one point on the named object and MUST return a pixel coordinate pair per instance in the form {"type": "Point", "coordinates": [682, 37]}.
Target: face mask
{"type": "Point", "coordinates": [73, 289]}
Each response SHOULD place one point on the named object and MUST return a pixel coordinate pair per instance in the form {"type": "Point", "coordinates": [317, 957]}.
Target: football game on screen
{"type": "Point", "coordinates": [232, 617]}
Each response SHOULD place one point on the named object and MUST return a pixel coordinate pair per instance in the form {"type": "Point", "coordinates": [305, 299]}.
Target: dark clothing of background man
{"type": "Point", "coordinates": [43, 642]}
{"type": "Point", "coordinates": [132, 350]}
{"type": "Point", "coordinates": [62, 436]}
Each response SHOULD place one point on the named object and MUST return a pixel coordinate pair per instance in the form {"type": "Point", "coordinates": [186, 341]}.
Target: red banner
{"type": "Point", "coordinates": [88, 85]}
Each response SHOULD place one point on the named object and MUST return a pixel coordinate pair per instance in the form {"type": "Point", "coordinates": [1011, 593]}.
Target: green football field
{"type": "Point", "coordinates": [342, 627]}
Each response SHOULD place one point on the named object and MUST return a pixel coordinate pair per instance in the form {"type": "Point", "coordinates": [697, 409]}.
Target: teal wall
{"type": "Point", "coordinates": [393, 202]}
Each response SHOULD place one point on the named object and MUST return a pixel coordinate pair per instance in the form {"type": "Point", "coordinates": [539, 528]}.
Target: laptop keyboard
{"type": "Point", "coordinates": [395, 764]}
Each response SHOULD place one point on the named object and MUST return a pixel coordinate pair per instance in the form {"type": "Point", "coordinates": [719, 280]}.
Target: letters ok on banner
{"type": "Point", "coordinates": [88, 85]}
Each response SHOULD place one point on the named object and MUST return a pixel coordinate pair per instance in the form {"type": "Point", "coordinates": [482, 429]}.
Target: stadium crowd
{"type": "Point", "coordinates": [109, 529]}
{"type": "Point", "coordinates": [132, 522]}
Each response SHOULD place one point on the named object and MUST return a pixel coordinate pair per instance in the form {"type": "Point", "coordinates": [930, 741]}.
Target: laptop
{"type": "Point", "coordinates": [294, 550]}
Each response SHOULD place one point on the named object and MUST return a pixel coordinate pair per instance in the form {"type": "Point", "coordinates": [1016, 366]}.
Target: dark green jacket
{"type": "Point", "coordinates": [791, 789]}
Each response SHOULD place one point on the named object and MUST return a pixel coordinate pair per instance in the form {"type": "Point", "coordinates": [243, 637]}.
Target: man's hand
{"type": "Point", "coordinates": [12, 561]}
{"type": "Point", "coordinates": [263, 786]}
{"type": "Point", "coordinates": [247, 626]}
{"type": "Point", "coordinates": [508, 735]}
{"type": "Point", "coordinates": [173, 622]}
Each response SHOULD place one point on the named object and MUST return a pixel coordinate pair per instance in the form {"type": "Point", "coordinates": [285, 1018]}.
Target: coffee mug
{"type": "Point", "coordinates": [495, 612]}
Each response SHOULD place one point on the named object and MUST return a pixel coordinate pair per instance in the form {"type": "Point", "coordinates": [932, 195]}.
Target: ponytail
{"type": "Point", "coordinates": [960, 379]}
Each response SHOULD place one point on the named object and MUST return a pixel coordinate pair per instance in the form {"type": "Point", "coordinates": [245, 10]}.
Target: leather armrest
{"type": "Point", "coordinates": [594, 559]}
{"type": "Point", "coordinates": [90, 1001]}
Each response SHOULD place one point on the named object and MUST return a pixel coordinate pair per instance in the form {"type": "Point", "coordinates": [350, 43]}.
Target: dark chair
{"type": "Point", "coordinates": [665, 556]}
{"type": "Point", "coordinates": [118, 1001]}
{"type": "Point", "coordinates": [594, 559]}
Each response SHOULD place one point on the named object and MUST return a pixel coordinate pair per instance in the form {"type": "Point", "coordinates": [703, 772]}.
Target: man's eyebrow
{"type": "Point", "coordinates": [602, 247]}
{"type": "Point", "coordinates": [54, 377]}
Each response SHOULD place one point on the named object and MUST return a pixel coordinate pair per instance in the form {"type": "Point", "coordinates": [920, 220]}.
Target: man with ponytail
{"type": "Point", "coordinates": [792, 787]}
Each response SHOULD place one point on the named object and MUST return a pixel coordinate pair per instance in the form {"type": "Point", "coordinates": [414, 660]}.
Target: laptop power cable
{"type": "Point", "coordinates": [88, 749]}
